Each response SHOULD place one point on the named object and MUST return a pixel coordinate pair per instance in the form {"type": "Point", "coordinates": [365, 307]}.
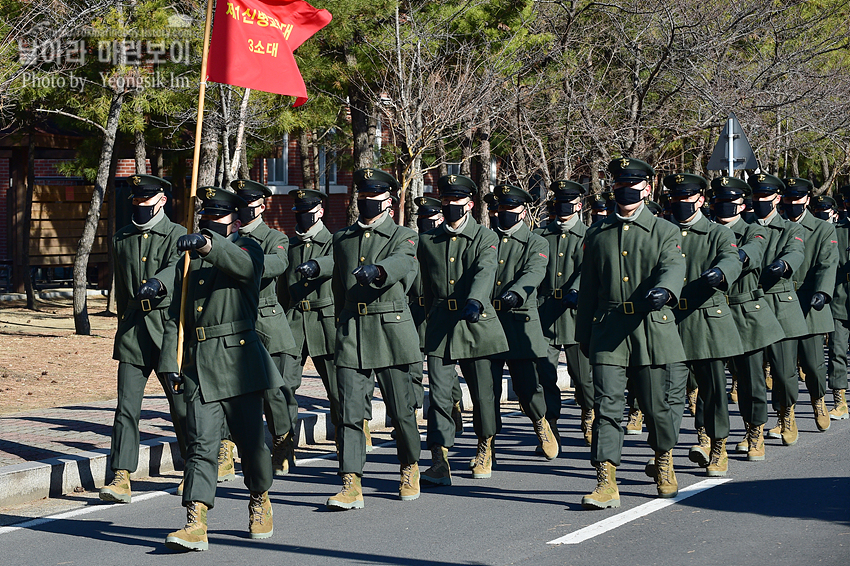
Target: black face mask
{"type": "Point", "coordinates": [762, 208]}
{"type": "Point", "coordinates": [427, 223]}
{"type": "Point", "coordinates": [508, 219]}
{"type": "Point", "coordinates": [682, 210]}
{"type": "Point", "coordinates": [305, 220]}
{"type": "Point", "coordinates": [563, 208]}
{"type": "Point", "coordinates": [453, 212]}
{"type": "Point", "coordinates": [248, 214]}
{"type": "Point", "coordinates": [822, 214]}
{"type": "Point", "coordinates": [725, 209]}
{"type": "Point", "coordinates": [627, 195]}
{"type": "Point", "coordinates": [143, 214]}
{"type": "Point", "coordinates": [793, 210]}
{"type": "Point", "coordinates": [217, 227]}
{"type": "Point", "coordinates": [494, 221]}
{"type": "Point", "coordinates": [370, 208]}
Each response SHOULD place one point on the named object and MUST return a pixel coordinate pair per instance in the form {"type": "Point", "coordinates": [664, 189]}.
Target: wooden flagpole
{"type": "Point", "coordinates": [193, 189]}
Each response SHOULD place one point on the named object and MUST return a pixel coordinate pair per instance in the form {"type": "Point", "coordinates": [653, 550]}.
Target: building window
{"type": "Point", "coordinates": [452, 168]}
{"type": "Point", "coordinates": [278, 168]}
{"type": "Point", "coordinates": [327, 168]}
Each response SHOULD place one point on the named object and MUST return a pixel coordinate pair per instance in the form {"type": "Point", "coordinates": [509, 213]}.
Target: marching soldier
{"type": "Point", "coordinates": [306, 291]}
{"type": "Point", "coordinates": [783, 256]}
{"type": "Point", "coordinates": [756, 323]}
{"type": "Point", "coordinates": [279, 403]}
{"type": "Point", "coordinates": [225, 368]}
{"type": "Point", "coordinates": [458, 260]}
{"type": "Point", "coordinates": [824, 208]}
{"type": "Point", "coordinates": [557, 301]}
{"type": "Point", "coordinates": [492, 209]}
{"type": "Point", "coordinates": [522, 259]}
{"type": "Point", "coordinates": [840, 307]}
{"type": "Point", "coordinates": [145, 254]}
{"type": "Point", "coordinates": [632, 273]}
{"type": "Point", "coordinates": [815, 284]}
{"type": "Point", "coordinates": [375, 333]}
{"type": "Point", "coordinates": [598, 209]}
{"type": "Point", "coordinates": [706, 326]}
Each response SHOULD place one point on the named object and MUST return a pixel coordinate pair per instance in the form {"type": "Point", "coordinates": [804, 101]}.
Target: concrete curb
{"type": "Point", "coordinates": [30, 481]}
{"type": "Point", "coordinates": [51, 295]}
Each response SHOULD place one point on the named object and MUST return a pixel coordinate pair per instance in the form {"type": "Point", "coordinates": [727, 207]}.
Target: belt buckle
{"type": "Point", "coordinates": [727, 299]}
{"type": "Point", "coordinates": [421, 301]}
{"type": "Point", "coordinates": [361, 309]}
{"type": "Point", "coordinates": [629, 307]}
{"type": "Point", "coordinates": [452, 304]}
{"type": "Point", "coordinates": [558, 294]}
{"type": "Point", "coordinates": [201, 335]}
{"type": "Point", "coordinates": [305, 305]}
{"type": "Point", "coordinates": [683, 304]}
{"type": "Point", "coordinates": [497, 304]}
{"type": "Point", "coordinates": [146, 305]}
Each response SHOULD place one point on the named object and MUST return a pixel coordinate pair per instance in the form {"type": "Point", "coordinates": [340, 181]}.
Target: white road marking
{"type": "Point", "coordinates": [621, 519]}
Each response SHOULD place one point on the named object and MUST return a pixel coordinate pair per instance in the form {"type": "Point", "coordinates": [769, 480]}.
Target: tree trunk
{"type": "Point", "coordinates": [466, 151]}
{"type": "Point", "coordinates": [308, 176]}
{"type": "Point", "coordinates": [81, 260]}
{"type": "Point", "coordinates": [141, 158]}
{"type": "Point", "coordinates": [157, 164]}
{"type": "Point", "coordinates": [209, 154]}
{"type": "Point", "coordinates": [27, 222]}
{"type": "Point", "coordinates": [239, 143]}
{"type": "Point", "coordinates": [483, 150]}
{"type": "Point", "coordinates": [442, 156]}
{"type": "Point", "coordinates": [111, 300]}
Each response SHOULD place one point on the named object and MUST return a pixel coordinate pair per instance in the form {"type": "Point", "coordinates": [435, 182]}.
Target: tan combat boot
{"type": "Point", "coordinates": [744, 446]}
{"type": "Point", "coordinates": [788, 426]}
{"type": "Point", "coordinates": [551, 447]}
{"type": "Point", "coordinates": [482, 464]}
{"type": "Point", "coordinates": [776, 431]}
{"type": "Point", "coordinates": [351, 496]}
{"type": "Point", "coordinates": [718, 464]}
{"type": "Point", "coordinates": [733, 393]}
{"type": "Point", "coordinates": [692, 401]}
{"type": "Point", "coordinates": [839, 406]}
{"type": "Point", "coordinates": [699, 453]}
{"type": "Point", "coordinates": [194, 535]}
{"type": "Point", "coordinates": [260, 524]}
{"type": "Point", "coordinates": [457, 417]}
{"type": "Point", "coordinates": [408, 486]}
{"type": "Point", "coordinates": [283, 454]}
{"type": "Point", "coordinates": [226, 467]}
{"type": "Point", "coordinates": [368, 434]}
{"type": "Point", "coordinates": [665, 478]}
{"type": "Point", "coordinates": [755, 436]}
{"type": "Point", "coordinates": [821, 414]}
{"type": "Point", "coordinates": [493, 453]}
{"type": "Point", "coordinates": [587, 425]}
{"type": "Point", "coordinates": [606, 493]}
{"type": "Point", "coordinates": [118, 490]}
{"type": "Point", "coordinates": [635, 424]}
{"type": "Point", "coordinates": [439, 473]}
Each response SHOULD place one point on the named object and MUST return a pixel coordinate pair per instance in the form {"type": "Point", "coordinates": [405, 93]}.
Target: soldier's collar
{"type": "Point", "coordinates": [645, 219]}
{"type": "Point", "coordinates": [255, 229]}
{"type": "Point", "coordinates": [807, 221]}
{"type": "Point", "coordinates": [384, 227]}
{"type": "Point", "coordinates": [467, 229]}
{"type": "Point", "coordinates": [701, 224]}
{"type": "Point", "coordinates": [521, 234]}
{"type": "Point", "coordinates": [155, 224]}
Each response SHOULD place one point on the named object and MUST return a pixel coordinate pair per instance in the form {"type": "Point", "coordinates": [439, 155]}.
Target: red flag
{"type": "Point", "coordinates": [253, 41]}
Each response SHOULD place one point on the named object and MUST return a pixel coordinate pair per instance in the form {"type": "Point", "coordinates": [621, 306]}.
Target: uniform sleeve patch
{"type": "Point", "coordinates": [412, 243]}
{"type": "Point", "coordinates": [798, 238]}
{"type": "Point", "coordinates": [834, 241]}
{"type": "Point", "coordinates": [494, 247]}
{"type": "Point", "coordinates": [734, 245]}
{"type": "Point", "coordinates": [544, 256]}
{"type": "Point", "coordinates": [244, 249]}
{"type": "Point", "coordinates": [760, 237]}
{"type": "Point", "coordinates": [280, 247]}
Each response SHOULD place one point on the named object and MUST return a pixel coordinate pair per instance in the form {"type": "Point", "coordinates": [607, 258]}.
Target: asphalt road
{"type": "Point", "coordinates": [793, 508]}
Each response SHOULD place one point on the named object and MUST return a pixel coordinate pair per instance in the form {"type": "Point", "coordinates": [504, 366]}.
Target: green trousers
{"type": "Point", "coordinates": [654, 387]}
{"type": "Point", "coordinates": [417, 374]}
{"type": "Point", "coordinates": [712, 405]}
{"type": "Point", "coordinates": [547, 374]}
{"type": "Point", "coordinates": [837, 350]}
{"type": "Point", "coordinates": [525, 384]}
{"type": "Point", "coordinates": [355, 386]}
{"type": "Point", "coordinates": [444, 392]}
{"type": "Point", "coordinates": [279, 402]}
{"type": "Point", "coordinates": [124, 450]}
{"type": "Point", "coordinates": [752, 390]}
{"type": "Point", "coordinates": [244, 417]}
{"type": "Point", "coordinates": [782, 357]}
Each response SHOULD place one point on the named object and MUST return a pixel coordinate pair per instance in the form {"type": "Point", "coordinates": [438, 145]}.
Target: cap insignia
{"type": "Point", "coordinates": [452, 179]}
{"type": "Point", "coordinates": [367, 174]}
{"type": "Point", "coordinates": [680, 179]}
{"type": "Point", "coordinates": [761, 178]}
{"type": "Point", "coordinates": [136, 179]}
{"type": "Point", "coordinates": [210, 193]}
{"type": "Point", "coordinates": [724, 181]}
{"type": "Point", "coordinates": [300, 194]}
{"type": "Point", "coordinates": [241, 184]}
{"type": "Point", "coordinates": [624, 163]}
{"type": "Point", "coordinates": [792, 182]}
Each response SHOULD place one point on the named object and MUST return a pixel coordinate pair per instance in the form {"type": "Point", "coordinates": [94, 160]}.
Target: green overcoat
{"type": "Point", "coordinates": [522, 258]}
{"type": "Point", "coordinates": [563, 274]}
{"type": "Point", "coordinates": [840, 304]}
{"type": "Point", "coordinates": [703, 315]}
{"type": "Point", "coordinates": [817, 273]}
{"type": "Point", "coordinates": [416, 301]}
{"type": "Point", "coordinates": [271, 322]}
{"type": "Point", "coordinates": [785, 242]}
{"type": "Point", "coordinates": [147, 333]}
{"type": "Point", "coordinates": [757, 325]}
{"type": "Point", "coordinates": [375, 328]}
{"type": "Point", "coordinates": [310, 302]}
{"type": "Point", "coordinates": [622, 262]}
{"type": "Point", "coordinates": [222, 350]}
{"type": "Point", "coordinates": [456, 267]}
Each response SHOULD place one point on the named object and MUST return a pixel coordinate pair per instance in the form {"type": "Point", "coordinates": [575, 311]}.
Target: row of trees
{"type": "Point", "coordinates": [548, 88]}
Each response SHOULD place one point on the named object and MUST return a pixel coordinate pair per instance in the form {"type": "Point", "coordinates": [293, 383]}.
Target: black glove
{"type": "Point", "coordinates": [742, 255]}
{"type": "Point", "coordinates": [308, 269]}
{"type": "Point", "coordinates": [818, 301]}
{"type": "Point", "coordinates": [713, 276]}
{"type": "Point", "coordinates": [150, 289]}
{"type": "Point", "coordinates": [777, 268]}
{"type": "Point", "coordinates": [510, 300]}
{"type": "Point", "coordinates": [657, 297]}
{"type": "Point", "coordinates": [365, 274]}
{"type": "Point", "coordinates": [570, 300]}
{"type": "Point", "coordinates": [472, 311]}
{"type": "Point", "coordinates": [175, 380]}
{"type": "Point", "coordinates": [190, 242]}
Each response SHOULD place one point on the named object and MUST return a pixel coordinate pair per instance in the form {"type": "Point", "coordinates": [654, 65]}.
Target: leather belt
{"type": "Point", "coordinates": [449, 304]}
{"type": "Point", "coordinates": [631, 307]}
{"type": "Point", "coordinates": [379, 307]}
{"type": "Point", "coordinates": [228, 328]}
{"type": "Point", "coordinates": [307, 305]}
{"type": "Point", "coordinates": [741, 298]}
